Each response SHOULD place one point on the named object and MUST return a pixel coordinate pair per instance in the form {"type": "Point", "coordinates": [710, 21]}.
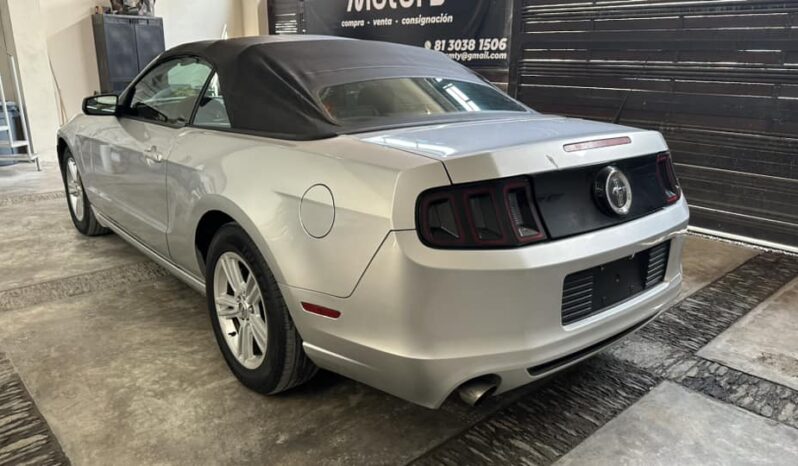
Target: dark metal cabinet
{"type": "Point", "coordinates": [125, 45]}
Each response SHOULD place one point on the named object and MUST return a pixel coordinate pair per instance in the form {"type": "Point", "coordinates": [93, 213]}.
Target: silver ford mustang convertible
{"type": "Point", "coordinates": [379, 211]}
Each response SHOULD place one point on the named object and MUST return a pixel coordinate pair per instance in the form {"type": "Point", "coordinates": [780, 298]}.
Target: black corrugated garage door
{"type": "Point", "coordinates": [719, 78]}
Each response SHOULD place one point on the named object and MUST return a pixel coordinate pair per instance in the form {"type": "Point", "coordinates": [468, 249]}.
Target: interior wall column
{"type": "Point", "coordinates": [256, 17]}
{"type": "Point", "coordinates": [26, 40]}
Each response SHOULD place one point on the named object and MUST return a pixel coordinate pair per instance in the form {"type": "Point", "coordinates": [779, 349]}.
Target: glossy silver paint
{"type": "Point", "coordinates": [335, 221]}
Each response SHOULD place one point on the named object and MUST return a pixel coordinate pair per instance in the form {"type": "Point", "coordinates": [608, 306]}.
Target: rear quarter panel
{"type": "Point", "coordinates": [260, 182]}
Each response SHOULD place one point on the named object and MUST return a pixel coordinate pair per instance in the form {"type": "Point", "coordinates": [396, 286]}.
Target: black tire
{"type": "Point", "coordinates": [87, 224]}
{"type": "Point", "coordinates": [285, 364]}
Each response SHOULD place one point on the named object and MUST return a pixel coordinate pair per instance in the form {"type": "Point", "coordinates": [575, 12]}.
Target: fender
{"type": "Point", "coordinates": [216, 202]}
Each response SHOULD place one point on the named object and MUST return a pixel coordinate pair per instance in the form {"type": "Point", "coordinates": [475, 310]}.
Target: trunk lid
{"type": "Point", "coordinates": [498, 148]}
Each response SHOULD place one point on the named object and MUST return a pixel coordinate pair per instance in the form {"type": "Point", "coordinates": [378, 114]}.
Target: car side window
{"type": "Point", "coordinates": [168, 93]}
{"type": "Point", "coordinates": [212, 112]}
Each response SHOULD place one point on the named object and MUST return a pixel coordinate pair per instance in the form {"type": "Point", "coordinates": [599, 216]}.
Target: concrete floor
{"type": "Point", "coordinates": [121, 363]}
{"type": "Point", "coordinates": [19, 180]}
{"type": "Point", "coordinates": [40, 244]}
{"type": "Point", "coordinates": [672, 425]}
{"type": "Point", "coordinates": [705, 260]}
{"type": "Point", "coordinates": [764, 342]}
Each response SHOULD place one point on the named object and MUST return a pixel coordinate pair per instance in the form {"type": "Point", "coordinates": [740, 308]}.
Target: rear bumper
{"type": "Point", "coordinates": [423, 321]}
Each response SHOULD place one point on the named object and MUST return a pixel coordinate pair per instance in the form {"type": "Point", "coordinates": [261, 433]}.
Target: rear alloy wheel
{"type": "Point", "coordinates": [250, 319]}
{"type": "Point", "coordinates": [79, 207]}
{"type": "Point", "coordinates": [240, 310]}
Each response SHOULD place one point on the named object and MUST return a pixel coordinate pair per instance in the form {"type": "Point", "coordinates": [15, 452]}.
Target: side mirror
{"type": "Point", "coordinates": [101, 105]}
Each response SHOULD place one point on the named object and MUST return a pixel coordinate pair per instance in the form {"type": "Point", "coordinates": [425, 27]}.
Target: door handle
{"type": "Point", "coordinates": [151, 153]}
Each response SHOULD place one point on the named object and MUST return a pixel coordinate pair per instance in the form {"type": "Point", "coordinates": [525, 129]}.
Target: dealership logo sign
{"type": "Point", "coordinates": [612, 191]}
{"type": "Point", "coordinates": [368, 5]}
{"type": "Point", "coordinates": [476, 33]}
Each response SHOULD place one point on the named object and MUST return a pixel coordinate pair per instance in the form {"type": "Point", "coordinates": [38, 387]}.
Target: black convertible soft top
{"type": "Point", "coordinates": [271, 83]}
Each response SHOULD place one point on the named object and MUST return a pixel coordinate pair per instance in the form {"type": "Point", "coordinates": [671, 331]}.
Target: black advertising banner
{"type": "Point", "coordinates": [476, 33]}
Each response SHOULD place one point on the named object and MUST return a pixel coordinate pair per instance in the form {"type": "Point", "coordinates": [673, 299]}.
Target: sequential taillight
{"type": "Point", "coordinates": [492, 214]}
{"type": "Point", "coordinates": [667, 178]}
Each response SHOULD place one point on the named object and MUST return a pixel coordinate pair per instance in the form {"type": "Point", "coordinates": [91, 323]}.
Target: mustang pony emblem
{"type": "Point", "coordinates": [612, 191]}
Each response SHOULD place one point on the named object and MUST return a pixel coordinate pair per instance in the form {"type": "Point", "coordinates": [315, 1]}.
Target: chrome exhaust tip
{"type": "Point", "coordinates": [476, 390]}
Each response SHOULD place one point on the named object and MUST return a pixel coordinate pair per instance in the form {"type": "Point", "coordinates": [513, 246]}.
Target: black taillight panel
{"type": "Point", "coordinates": [568, 206]}
{"type": "Point", "coordinates": [514, 212]}
{"type": "Point", "coordinates": [493, 214]}
{"type": "Point", "coordinates": [667, 178]}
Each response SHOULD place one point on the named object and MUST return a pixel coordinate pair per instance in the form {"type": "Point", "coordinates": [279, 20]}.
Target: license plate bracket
{"type": "Point", "coordinates": [591, 291]}
{"type": "Point", "coordinates": [619, 280]}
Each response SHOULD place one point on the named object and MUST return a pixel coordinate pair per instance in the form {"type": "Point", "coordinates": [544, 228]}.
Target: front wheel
{"type": "Point", "coordinates": [79, 207]}
{"type": "Point", "coordinates": [250, 319]}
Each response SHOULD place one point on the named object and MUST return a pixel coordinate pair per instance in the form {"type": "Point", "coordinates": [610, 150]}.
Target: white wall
{"type": "Point", "coordinates": [70, 45]}
{"type": "Point", "coordinates": [22, 28]}
{"type": "Point", "coordinates": [192, 20]}
{"type": "Point", "coordinates": [70, 39]}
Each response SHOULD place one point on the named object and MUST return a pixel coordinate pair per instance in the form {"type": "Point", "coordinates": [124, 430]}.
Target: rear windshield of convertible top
{"type": "Point", "coordinates": [411, 98]}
